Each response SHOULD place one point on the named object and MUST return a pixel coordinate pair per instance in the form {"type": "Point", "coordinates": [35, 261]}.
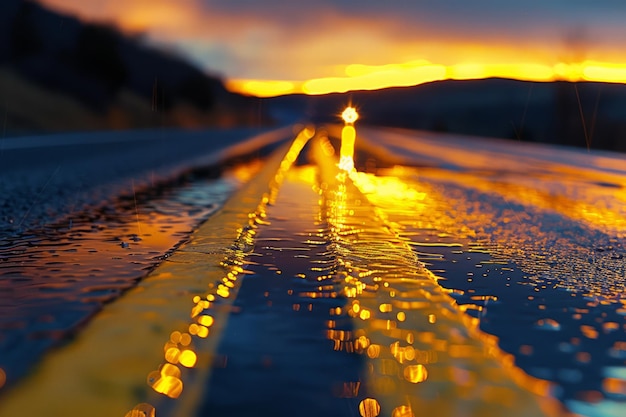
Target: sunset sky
{"type": "Point", "coordinates": [268, 47]}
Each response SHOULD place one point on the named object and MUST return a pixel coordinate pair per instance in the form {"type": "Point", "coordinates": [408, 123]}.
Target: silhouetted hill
{"type": "Point", "coordinates": [531, 111]}
{"type": "Point", "coordinates": [58, 73]}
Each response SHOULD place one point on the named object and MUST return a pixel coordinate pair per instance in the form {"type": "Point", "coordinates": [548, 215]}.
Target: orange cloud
{"type": "Point", "coordinates": [320, 47]}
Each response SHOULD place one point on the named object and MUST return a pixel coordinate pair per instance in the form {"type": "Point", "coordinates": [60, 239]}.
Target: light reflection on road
{"type": "Point", "coordinates": [180, 349]}
{"type": "Point", "coordinates": [524, 274]}
{"type": "Point", "coordinates": [416, 273]}
{"type": "Point", "coordinates": [537, 256]}
{"type": "Point", "coordinates": [422, 351]}
{"type": "Point", "coordinates": [54, 279]}
{"type": "Point", "coordinates": [406, 292]}
{"type": "Point", "coordinates": [399, 345]}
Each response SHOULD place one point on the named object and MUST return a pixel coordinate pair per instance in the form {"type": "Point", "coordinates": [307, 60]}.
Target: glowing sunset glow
{"type": "Point", "coordinates": [263, 88]}
{"type": "Point", "coordinates": [399, 77]}
{"type": "Point", "coordinates": [350, 45]}
{"type": "Point", "coordinates": [605, 72]}
{"type": "Point", "coordinates": [360, 77]}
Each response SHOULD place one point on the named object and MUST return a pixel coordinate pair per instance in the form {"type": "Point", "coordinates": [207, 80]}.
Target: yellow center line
{"type": "Point", "coordinates": [424, 355]}
{"type": "Point", "coordinates": [153, 350]}
{"type": "Point", "coordinates": [143, 342]}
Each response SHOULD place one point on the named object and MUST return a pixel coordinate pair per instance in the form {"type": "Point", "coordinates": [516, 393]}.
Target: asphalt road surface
{"type": "Point", "coordinates": [444, 276]}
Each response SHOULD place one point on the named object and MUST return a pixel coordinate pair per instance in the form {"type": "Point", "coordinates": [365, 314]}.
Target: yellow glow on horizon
{"type": "Point", "coordinates": [520, 71]}
{"type": "Point", "coordinates": [613, 73]}
{"type": "Point", "coordinates": [381, 56]}
{"type": "Point", "coordinates": [374, 77]}
{"type": "Point", "coordinates": [263, 88]}
{"type": "Point", "coordinates": [358, 70]}
{"type": "Point", "coordinates": [391, 76]}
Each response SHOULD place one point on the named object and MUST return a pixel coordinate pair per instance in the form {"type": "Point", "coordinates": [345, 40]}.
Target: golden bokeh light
{"type": "Point", "coordinates": [198, 330]}
{"type": "Point", "coordinates": [170, 370]}
{"type": "Point", "coordinates": [415, 373]}
{"type": "Point", "coordinates": [188, 358]}
{"type": "Point", "coordinates": [385, 308]}
{"type": "Point", "coordinates": [172, 354]}
{"type": "Point", "coordinates": [142, 410]}
{"type": "Point", "coordinates": [402, 411]}
{"type": "Point", "coordinates": [369, 407]}
{"type": "Point", "coordinates": [373, 351]}
{"type": "Point", "coordinates": [166, 381]}
{"type": "Point", "coordinates": [185, 339]}
{"type": "Point", "coordinates": [205, 320]}
{"type": "Point", "coordinates": [175, 336]}
{"type": "Point", "coordinates": [169, 385]}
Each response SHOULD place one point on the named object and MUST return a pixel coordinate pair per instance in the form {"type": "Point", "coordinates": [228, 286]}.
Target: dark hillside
{"type": "Point", "coordinates": [58, 73]}
{"type": "Point", "coordinates": [529, 111]}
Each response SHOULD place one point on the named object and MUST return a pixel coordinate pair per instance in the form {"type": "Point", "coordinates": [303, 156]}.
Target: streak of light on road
{"type": "Point", "coordinates": [321, 290]}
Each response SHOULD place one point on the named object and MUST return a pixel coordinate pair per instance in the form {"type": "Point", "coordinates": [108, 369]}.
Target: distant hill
{"type": "Point", "coordinates": [530, 111]}
{"type": "Point", "coordinates": [58, 73]}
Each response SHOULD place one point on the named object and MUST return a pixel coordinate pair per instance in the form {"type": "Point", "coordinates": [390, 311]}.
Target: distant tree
{"type": "Point", "coordinates": [162, 96]}
{"type": "Point", "coordinates": [97, 54]}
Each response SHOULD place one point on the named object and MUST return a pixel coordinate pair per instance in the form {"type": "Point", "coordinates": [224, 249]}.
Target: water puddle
{"type": "Point", "coordinates": [410, 293]}
{"type": "Point", "coordinates": [336, 316]}
{"type": "Point", "coordinates": [55, 278]}
{"type": "Point", "coordinates": [550, 288]}
{"type": "Point", "coordinates": [428, 295]}
{"type": "Point", "coordinates": [278, 359]}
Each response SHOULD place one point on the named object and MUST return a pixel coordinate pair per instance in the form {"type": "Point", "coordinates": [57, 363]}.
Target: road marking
{"type": "Point", "coordinates": [103, 371]}
{"type": "Point", "coordinates": [425, 356]}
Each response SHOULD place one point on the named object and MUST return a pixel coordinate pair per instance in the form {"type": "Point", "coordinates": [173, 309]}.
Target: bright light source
{"type": "Point", "coordinates": [350, 115]}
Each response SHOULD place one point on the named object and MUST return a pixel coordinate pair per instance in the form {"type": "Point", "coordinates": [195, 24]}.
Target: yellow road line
{"type": "Point", "coordinates": [105, 370]}
{"type": "Point", "coordinates": [425, 356]}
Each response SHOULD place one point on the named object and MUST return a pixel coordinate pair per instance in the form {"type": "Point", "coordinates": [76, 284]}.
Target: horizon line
{"type": "Point", "coordinates": [370, 78]}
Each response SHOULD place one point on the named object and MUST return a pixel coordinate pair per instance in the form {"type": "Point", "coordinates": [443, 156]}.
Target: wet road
{"type": "Point", "coordinates": [83, 217]}
{"type": "Point", "coordinates": [47, 179]}
{"type": "Point", "coordinates": [443, 278]}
